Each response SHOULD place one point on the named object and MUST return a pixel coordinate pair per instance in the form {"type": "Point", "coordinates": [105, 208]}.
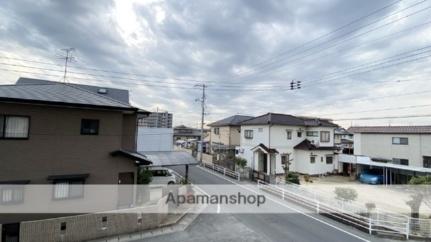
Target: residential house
{"type": "Point", "coordinates": [183, 132]}
{"type": "Point", "coordinates": [225, 135]}
{"type": "Point", "coordinates": [271, 140]}
{"type": "Point", "coordinates": [344, 140]}
{"type": "Point", "coordinates": [66, 133]}
{"type": "Point", "coordinates": [399, 152]}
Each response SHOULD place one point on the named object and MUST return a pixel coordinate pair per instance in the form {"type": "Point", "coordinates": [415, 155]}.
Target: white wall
{"type": "Point", "coordinates": [303, 164]}
{"type": "Point", "coordinates": [155, 139]}
{"type": "Point", "coordinates": [380, 146]}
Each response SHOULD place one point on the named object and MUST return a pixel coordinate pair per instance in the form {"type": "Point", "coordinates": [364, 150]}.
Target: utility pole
{"type": "Point", "coordinates": [202, 100]}
{"type": "Point", "coordinates": [67, 58]}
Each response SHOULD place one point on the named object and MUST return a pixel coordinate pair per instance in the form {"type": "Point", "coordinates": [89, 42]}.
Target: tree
{"type": "Point", "coordinates": [345, 194]}
{"type": "Point", "coordinates": [419, 194]}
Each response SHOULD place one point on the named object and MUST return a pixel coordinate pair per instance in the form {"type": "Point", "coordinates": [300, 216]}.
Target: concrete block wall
{"type": "Point", "coordinates": [91, 226]}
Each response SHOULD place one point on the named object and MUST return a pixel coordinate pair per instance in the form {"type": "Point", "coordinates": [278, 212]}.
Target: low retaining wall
{"type": "Point", "coordinates": [92, 226]}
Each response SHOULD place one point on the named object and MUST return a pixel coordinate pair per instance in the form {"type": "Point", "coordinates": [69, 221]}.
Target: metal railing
{"type": "Point", "coordinates": [376, 221]}
{"type": "Point", "coordinates": [225, 171]}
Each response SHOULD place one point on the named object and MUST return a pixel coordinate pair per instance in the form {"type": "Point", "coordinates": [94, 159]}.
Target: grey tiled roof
{"type": "Point", "coordinates": [287, 119]}
{"type": "Point", "coordinates": [391, 129]}
{"type": "Point", "coordinates": [230, 121]}
{"type": "Point", "coordinates": [307, 145]}
{"type": "Point", "coordinates": [114, 93]}
{"type": "Point", "coordinates": [58, 93]}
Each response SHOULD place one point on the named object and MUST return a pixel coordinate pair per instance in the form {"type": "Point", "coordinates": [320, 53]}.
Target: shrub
{"type": "Point", "coordinates": [346, 194]}
{"type": "Point", "coordinates": [240, 162]}
{"type": "Point", "coordinates": [145, 176]}
{"type": "Point", "coordinates": [292, 177]}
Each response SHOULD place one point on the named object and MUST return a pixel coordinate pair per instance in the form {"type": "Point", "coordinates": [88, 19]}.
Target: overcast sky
{"type": "Point", "coordinates": [246, 51]}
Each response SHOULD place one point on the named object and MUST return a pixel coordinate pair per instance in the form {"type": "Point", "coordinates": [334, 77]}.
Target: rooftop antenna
{"type": "Point", "coordinates": [67, 58]}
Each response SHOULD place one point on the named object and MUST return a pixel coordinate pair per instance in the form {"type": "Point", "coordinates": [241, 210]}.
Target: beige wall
{"type": "Point", "coordinates": [56, 147]}
{"type": "Point", "coordinates": [380, 146]}
{"type": "Point", "coordinates": [228, 135]}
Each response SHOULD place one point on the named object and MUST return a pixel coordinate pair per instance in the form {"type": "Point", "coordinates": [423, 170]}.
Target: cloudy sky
{"type": "Point", "coordinates": [355, 59]}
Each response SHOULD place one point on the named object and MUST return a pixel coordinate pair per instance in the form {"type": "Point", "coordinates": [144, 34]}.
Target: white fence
{"type": "Point", "coordinates": [375, 221]}
{"type": "Point", "coordinates": [226, 172]}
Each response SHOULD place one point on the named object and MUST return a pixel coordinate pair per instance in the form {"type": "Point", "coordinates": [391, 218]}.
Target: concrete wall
{"type": "Point", "coordinates": [56, 147]}
{"type": "Point", "coordinates": [90, 226]}
{"type": "Point", "coordinates": [380, 146]}
{"type": "Point", "coordinates": [155, 139]}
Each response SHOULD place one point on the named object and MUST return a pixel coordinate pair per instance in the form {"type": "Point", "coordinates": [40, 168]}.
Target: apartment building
{"type": "Point", "coordinates": [225, 135]}
{"type": "Point", "coordinates": [399, 151]}
{"type": "Point", "coordinates": [271, 140]}
{"type": "Point", "coordinates": [156, 120]}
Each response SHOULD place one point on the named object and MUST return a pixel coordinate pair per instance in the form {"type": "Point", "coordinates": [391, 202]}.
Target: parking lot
{"type": "Point", "coordinates": [392, 198]}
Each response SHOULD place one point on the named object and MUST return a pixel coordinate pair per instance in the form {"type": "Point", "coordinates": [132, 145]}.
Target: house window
{"type": "Point", "coordinates": [329, 160]}
{"type": "Point", "coordinates": [325, 136]}
{"type": "Point", "coordinates": [397, 161]}
{"type": "Point", "coordinates": [248, 134]}
{"type": "Point", "coordinates": [312, 134]}
{"type": "Point", "coordinates": [68, 189]}
{"type": "Point", "coordinates": [90, 126]}
{"type": "Point", "coordinates": [14, 127]}
{"type": "Point", "coordinates": [289, 134]}
{"type": "Point", "coordinates": [285, 159]}
{"type": "Point", "coordinates": [12, 194]}
{"type": "Point", "coordinates": [299, 134]}
{"type": "Point", "coordinates": [216, 130]}
{"type": "Point", "coordinates": [312, 159]}
{"type": "Point", "coordinates": [400, 141]}
{"type": "Point", "coordinates": [427, 161]}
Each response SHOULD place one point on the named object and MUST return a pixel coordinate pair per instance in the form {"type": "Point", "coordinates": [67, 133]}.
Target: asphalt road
{"type": "Point", "coordinates": [293, 226]}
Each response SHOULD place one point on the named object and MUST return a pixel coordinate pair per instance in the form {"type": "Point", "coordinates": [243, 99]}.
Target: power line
{"type": "Point", "coordinates": [377, 110]}
{"type": "Point", "coordinates": [327, 34]}
{"type": "Point", "coordinates": [265, 70]}
{"type": "Point", "coordinates": [386, 117]}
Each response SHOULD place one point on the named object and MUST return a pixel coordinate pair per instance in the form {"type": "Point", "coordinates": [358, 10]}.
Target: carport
{"type": "Point", "coordinates": [171, 158]}
{"type": "Point", "coordinates": [390, 171]}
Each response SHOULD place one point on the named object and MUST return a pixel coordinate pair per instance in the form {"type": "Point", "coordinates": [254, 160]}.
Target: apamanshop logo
{"type": "Point", "coordinates": [232, 199]}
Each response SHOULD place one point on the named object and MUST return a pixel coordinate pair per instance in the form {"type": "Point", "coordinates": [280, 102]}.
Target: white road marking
{"type": "Point", "coordinates": [218, 208]}
{"type": "Point", "coordinates": [284, 205]}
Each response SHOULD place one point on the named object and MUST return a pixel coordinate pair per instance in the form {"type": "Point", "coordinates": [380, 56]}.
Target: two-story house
{"type": "Point", "coordinates": [225, 135]}
{"type": "Point", "coordinates": [55, 132]}
{"type": "Point", "coordinates": [400, 152]}
{"type": "Point", "coordinates": [66, 135]}
{"type": "Point", "coordinates": [344, 140]}
{"type": "Point", "coordinates": [271, 140]}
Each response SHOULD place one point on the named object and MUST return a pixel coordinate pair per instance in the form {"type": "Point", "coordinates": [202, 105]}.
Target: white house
{"type": "Point", "coordinates": [399, 151]}
{"type": "Point", "coordinates": [270, 140]}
